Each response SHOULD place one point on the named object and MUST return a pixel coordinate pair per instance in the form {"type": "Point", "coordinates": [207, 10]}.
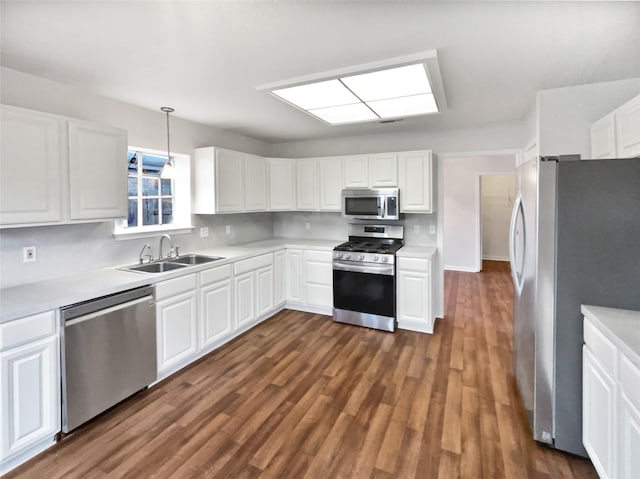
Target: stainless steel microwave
{"type": "Point", "coordinates": [371, 204]}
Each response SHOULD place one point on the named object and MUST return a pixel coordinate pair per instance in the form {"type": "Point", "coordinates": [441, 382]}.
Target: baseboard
{"type": "Point", "coordinates": [419, 328]}
{"type": "Point", "coordinates": [307, 308]}
{"type": "Point", "coordinates": [464, 269]}
{"type": "Point", "coordinates": [14, 461]}
{"type": "Point", "coordinates": [496, 258]}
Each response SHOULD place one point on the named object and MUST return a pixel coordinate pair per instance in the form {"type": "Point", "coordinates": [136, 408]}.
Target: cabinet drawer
{"type": "Point", "coordinates": [601, 348]}
{"type": "Point", "coordinates": [253, 263]}
{"type": "Point", "coordinates": [31, 328]}
{"type": "Point", "coordinates": [175, 286]}
{"type": "Point", "coordinates": [630, 380]}
{"type": "Point", "coordinates": [326, 256]}
{"type": "Point", "coordinates": [414, 264]}
{"type": "Point", "coordinates": [319, 273]}
{"type": "Point", "coordinates": [214, 275]}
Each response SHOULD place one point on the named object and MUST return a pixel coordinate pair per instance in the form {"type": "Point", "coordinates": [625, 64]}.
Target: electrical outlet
{"type": "Point", "coordinates": [307, 226]}
{"type": "Point", "coordinates": [28, 254]}
{"type": "Point", "coordinates": [204, 232]}
{"type": "Point", "coordinates": [227, 229]}
{"type": "Point", "coordinates": [416, 229]}
{"type": "Point", "coordinates": [432, 229]}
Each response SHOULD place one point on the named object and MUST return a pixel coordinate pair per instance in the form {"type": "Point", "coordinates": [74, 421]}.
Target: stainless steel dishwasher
{"type": "Point", "coordinates": [108, 353]}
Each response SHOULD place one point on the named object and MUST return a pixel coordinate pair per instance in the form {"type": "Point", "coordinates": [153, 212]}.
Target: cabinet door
{"type": "Point", "coordinates": [318, 275]}
{"type": "Point", "coordinates": [383, 170]}
{"type": "Point", "coordinates": [603, 138]}
{"type": "Point", "coordinates": [415, 182]}
{"type": "Point", "coordinates": [628, 129]}
{"type": "Point", "coordinates": [294, 276]}
{"type": "Point", "coordinates": [413, 301]}
{"type": "Point", "coordinates": [176, 329]}
{"type": "Point", "coordinates": [255, 183]}
{"type": "Point", "coordinates": [278, 278]}
{"type": "Point", "coordinates": [598, 413]}
{"type": "Point", "coordinates": [216, 312]}
{"type": "Point", "coordinates": [229, 181]}
{"type": "Point", "coordinates": [330, 174]}
{"type": "Point", "coordinates": [245, 293]}
{"type": "Point", "coordinates": [264, 300]}
{"type": "Point", "coordinates": [31, 167]}
{"type": "Point", "coordinates": [628, 438]}
{"type": "Point", "coordinates": [97, 171]}
{"type": "Point", "coordinates": [306, 184]}
{"type": "Point", "coordinates": [282, 184]}
{"type": "Point", "coordinates": [356, 172]}
{"type": "Point", "coordinates": [30, 395]}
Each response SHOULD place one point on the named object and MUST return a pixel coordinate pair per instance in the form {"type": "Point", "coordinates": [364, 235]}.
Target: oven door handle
{"type": "Point", "coordinates": [386, 269]}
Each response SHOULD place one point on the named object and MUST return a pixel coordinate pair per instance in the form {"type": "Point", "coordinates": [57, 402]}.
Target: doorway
{"type": "Point", "coordinates": [497, 193]}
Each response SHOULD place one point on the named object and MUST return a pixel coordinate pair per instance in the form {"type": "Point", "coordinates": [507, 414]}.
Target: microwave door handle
{"type": "Point", "coordinates": [384, 207]}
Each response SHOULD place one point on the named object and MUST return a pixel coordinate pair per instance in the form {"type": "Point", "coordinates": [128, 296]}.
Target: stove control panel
{"type": "Point", "coordinates": [364, 257]}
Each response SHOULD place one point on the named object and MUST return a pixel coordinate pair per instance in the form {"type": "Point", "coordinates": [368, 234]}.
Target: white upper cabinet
{"type": "Point", "coordinates": [54, 169]}
{"type": "Point", "coordinates": [229, 181]}
{"type": "Point", "coordinates": [383, 170]}
{"type": "Point", "coordinates": [628, 129]}
{"type": "Point", "coordinates": [330, 176]}
{"type": "Point", "coordinates": [356, 172]}
{"type": "Point", "coordinates": [255, 183]}
{"type": "Point", "coordinates": [30, 167]}
{"type": "Point", "coordinates": [306, 184]}
{"type": "Point", "coordinates": [282, 184]}
{"type": "Point", "coordinates": [97, 171]}
{"type": "Point", "coordinates": [415, 182]}
{"type": "Point", "coordinates": [617, 135]}
{"type": "Point", "coordinates": [603, 138]}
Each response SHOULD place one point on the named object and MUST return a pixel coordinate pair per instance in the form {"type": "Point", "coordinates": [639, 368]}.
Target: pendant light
{"type": "Point", "coordinates": [168, 170]}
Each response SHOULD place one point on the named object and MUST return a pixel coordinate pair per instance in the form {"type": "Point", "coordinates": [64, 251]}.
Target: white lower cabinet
{"type": "Point", "coordinates": [264, 285]}
{"type": "Point", "coordinates": [245, 288]}
{"type": "Point", "coordinates": [279, 296]}
{"type": "Point", "coordinates": [216, 305]}
{"type": "Point", "coordinates": [29, 387]}
{"type": "Point", "coordinates": [176, 322]}
{"type": "Point", "coordinates": [318, 275]}
{"type": "Point", "coordinates": [294, 274]}
{"type": "Point", "coordinates": [253, 285]}
{"type": "Point", "coordinates": [413, 294]}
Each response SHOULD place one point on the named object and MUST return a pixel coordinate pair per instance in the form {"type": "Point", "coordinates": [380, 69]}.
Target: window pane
{"type": "Point", "coordinates": [132, 161]}
{"type": "Point", "coordinates": [167, 211]}
{"type": "Point", "coordinates": [133, 186]}
{"type": "Point", "coordinates": [166, 187]}
{"type": "Point", "coordinates": [133, 213]}
{"type": "Point", "coordinates": [152, 164]}
{"type": "Point", "coordinates": [149, 186]}
{"type": "Point", "coordinates": [150, 212]}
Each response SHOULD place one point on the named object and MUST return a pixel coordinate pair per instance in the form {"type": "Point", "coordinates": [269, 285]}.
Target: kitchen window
{"type": "Point", "coordinates": [155, 204]}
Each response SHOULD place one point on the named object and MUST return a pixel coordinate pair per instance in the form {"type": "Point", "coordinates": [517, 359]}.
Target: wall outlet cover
{"type": "Point", "coordinates": [227, 229]}
{"type": "Point", "coordinates": [28, 254]}
{"type": "Point", "coordinates": [432, 229]}
{"type": "Point", "coordinates": [416, 229]}
{"type": "Point", "coordinates": [307, 225]}
{"type": "Point", "coordinates": [204, 232]}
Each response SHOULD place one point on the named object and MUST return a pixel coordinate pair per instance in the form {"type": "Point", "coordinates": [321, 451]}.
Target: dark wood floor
{"type": "Point", "coordinates": [300, 396]}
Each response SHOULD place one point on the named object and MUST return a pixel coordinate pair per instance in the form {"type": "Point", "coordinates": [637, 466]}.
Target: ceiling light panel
{"type": "Point", "coordinates": [391, 83]}
{"type": "Point", "coordinates": [404, 106]}
{"type": "Point", "coordinates": [318, 95]}
{"type": "Point", "coordinates": [338, 115]}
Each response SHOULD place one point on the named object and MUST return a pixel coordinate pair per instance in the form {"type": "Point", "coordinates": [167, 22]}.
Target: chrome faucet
{"type": "Point", "coordinates": [171, 250]}
{"type": "Point", "coordinates": [142, 256]}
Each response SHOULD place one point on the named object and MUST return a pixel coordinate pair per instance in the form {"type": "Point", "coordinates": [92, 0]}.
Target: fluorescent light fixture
{"type": "Point", "coordinates": [392, 83]}
{"type": "Point", "coordinates": [318, 95]}
{"type": "Point", "coordinates": [404, 106]}
{"type": "Point", "coordinates": [395, 88]}
{"type": "Point", "coordinates": [338, 115]}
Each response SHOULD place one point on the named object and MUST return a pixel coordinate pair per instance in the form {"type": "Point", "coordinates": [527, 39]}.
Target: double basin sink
{"type": "Point", "coordinates": [173, 263]}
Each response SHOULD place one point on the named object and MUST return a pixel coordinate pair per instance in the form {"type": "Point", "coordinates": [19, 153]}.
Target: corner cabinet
{"type": "Point", "coordinates": [415, 181]}
{"type": "Point", "coordinates": [617, 135]}
{"type": "Point", "coordinates": [58, 170]}
{"type": "Point", "coordinates": [29, 387]}
{"type": "Point", "coordinates": [282, 184]}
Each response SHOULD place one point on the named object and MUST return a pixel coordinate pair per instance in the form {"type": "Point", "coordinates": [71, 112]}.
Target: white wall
{"type": "Point", "coordinates": [565, 115]}
{"type": "Point", "coordinates": [460, 209]}
{"type": "Point", "coordinates": [497, 193]}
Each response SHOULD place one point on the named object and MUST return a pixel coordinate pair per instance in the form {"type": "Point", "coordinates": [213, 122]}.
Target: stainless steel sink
{"type": "Point", "coordinates": [191, 259]}
{"type": "Point", "coordinates": [160, 267]}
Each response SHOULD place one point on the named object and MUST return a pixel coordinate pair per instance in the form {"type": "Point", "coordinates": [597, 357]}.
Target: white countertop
{"type": "Point", "coordinates": [620, 326]}
{"type": "Point", "coordinates": [417, 251]}
{"type": "Point", "coordinates": [31, 298]}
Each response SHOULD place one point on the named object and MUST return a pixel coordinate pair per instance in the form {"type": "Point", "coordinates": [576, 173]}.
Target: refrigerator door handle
{"type": "Point", "coordinates": [517, 280]}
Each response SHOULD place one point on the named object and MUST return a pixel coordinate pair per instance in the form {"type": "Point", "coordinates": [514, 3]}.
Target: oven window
{"type": "Point", "coordinates": [361, 206]}
{"type": "Point", "coordinates": [364, 292]}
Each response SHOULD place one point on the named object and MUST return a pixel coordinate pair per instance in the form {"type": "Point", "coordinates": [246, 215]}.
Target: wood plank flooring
{"type": "Point", "coordinates": [302, 397]}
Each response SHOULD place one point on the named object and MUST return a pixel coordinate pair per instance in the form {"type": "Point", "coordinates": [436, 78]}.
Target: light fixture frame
{"type": "Point", "coordinates": [429, 59]}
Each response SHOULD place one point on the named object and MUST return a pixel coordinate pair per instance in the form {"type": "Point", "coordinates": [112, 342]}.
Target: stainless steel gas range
{"type": "Point", "coordinates": [364, 276]}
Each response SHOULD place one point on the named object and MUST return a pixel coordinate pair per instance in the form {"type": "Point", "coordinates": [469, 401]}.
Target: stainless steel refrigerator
{"type": "Point", "coordinates": [575, 239]}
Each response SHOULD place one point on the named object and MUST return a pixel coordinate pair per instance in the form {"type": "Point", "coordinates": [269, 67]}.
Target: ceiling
{"type": "Point", "coordinates": [205, 59]}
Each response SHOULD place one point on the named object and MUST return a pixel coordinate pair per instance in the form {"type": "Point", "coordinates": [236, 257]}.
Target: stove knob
{"type": "Point", "coordinates": [361, 257]}
{"type": "Point", "coordinates": [339, 255]}
{"type": "Point", "coordinates": [375, 257]}
{"type": "Point", "coordinates": [385, 259]}
{"type": "Point", "coordinates": [347, 256]}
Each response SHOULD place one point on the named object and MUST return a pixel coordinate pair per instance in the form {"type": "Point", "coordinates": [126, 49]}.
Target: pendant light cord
{"type": "Point", "coordinates": [167, 110]}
